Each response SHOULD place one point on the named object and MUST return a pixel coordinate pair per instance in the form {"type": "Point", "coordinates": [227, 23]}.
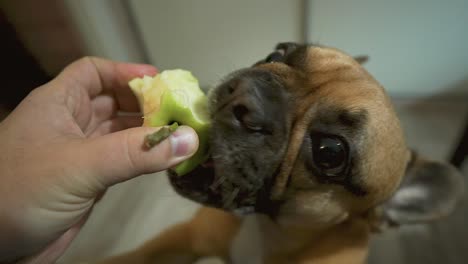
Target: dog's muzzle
{"type": "Point", "coordinates": [250, 131]}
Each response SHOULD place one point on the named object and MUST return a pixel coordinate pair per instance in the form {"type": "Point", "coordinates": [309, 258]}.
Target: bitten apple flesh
{"type": "Point", "coordinates": [175, 96]}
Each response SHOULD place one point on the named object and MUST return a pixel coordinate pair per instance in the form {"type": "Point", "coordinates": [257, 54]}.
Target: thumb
{"type": "Point", "coordinates": [120, 156]}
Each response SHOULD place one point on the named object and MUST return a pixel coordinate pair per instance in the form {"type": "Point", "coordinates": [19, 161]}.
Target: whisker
{"type": "Point", "coordinates": [230, 199]}
{"type": "Point", "coordinates": [217, 183]}
{"type": "Point", "coordinates": [242, 181]}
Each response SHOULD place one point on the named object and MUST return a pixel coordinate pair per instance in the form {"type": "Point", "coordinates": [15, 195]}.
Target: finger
{"type": "Point", "coordinates": [116, 124]}
{"type": "Point", "coordinates": [104, 107]}
{"type": "Point", "coordinates": [120, 156]}
{"type": "Point", "coordinates": [97, 76]}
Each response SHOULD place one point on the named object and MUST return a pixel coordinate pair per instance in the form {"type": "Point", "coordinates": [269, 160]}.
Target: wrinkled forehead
{"type": "Point", "coordinates": [307, 69]}
{"type": "Point", "coordinates": [327, 86]}
{"type": "Point", "coordinates": [328, 78]}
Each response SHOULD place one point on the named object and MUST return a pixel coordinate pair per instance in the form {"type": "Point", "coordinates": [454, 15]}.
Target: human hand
{"type": "Point", "coordinates": [64, 145]}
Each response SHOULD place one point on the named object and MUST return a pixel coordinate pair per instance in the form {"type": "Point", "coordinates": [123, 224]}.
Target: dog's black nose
{"type": "Point", "coordinates": [248, 111]}
{"type": "Point", "coordinates": [250, 128]}
{"type": "Point", "coordinates": [251, 101]}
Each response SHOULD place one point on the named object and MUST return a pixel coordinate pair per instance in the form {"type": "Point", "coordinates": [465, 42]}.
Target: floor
{"type": "Point", "coordinates": [135, 211]}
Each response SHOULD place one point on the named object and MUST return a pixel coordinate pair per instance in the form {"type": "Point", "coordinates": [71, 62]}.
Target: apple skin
{"type": "Point", "coordinates": [174, 96]}
{"type": "Point", "coordinates": [172, 110]}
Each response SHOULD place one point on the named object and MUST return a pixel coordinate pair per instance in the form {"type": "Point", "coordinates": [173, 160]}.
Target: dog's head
{"type": "Point", "coordinates": [308, 137]}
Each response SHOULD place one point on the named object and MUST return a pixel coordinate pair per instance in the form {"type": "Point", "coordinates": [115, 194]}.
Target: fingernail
{"type": "Point", "coordinates": [141, 70]}
{"type": "Point", "coordinates": [149, 70]}
{"type": "Point", "coordinates": [183, 142]}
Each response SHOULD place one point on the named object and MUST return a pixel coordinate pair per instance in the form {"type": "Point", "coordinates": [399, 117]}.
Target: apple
{"type": "Point", "coordinates": [175, 96]}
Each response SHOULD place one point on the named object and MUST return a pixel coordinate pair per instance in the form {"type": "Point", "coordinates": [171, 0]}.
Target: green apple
{"type": "Point", "coordinates": [175, 96]}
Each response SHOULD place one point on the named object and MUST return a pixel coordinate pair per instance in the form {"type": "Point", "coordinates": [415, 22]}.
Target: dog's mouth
{"type": "Point", "coordinates": [198, 185]}
{"type": "Point", "coordinates": [205, 186]}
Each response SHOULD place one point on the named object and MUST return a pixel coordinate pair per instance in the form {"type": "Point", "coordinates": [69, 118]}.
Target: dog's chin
{"type": "Point", "coordinates": [197, 185]}
{"type": "Point", "coordinates": [203, 186]}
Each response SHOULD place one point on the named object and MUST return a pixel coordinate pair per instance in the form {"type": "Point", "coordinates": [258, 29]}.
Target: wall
{"type": "Point", "coordinates": [214, 37]}
{"type": "Point", "coordinates": [46, 31]}
{"type": "Point", "coordinates": [416, 48]}
{"type": "Point", "coordinates": [106, 29]}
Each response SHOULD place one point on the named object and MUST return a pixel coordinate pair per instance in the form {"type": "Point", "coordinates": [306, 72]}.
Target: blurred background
{"type": "Point", "coordinates": [417, 49]}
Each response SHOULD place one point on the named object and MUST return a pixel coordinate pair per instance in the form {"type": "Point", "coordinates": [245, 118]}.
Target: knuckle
{"type": "Point", "coordinates": [86, 59]}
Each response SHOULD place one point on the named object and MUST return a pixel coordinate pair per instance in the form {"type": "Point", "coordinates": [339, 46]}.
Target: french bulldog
{"type": "Point", "coordinates": [308, 160]}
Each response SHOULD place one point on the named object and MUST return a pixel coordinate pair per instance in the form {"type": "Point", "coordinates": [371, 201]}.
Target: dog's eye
{"type": "Point", "coordinates": [329, 155]}
{"type": "Point", "coordinates": [276, 56]}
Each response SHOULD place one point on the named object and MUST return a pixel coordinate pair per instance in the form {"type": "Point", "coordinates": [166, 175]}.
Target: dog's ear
{"type": "Point", "coordinates": [281, 51]}
{"type": "Point", "coordinates": [361, 59]}
{"type": "Point", "coordinates": [287, 47]}
{"type": "Point", "coordinates": [429, 190]}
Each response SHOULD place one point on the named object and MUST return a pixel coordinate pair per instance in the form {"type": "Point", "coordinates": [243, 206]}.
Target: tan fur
{"type": "Point", "coordinates": [211, 231]}
{"type": "Point", "coordinates": [208, 233]}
